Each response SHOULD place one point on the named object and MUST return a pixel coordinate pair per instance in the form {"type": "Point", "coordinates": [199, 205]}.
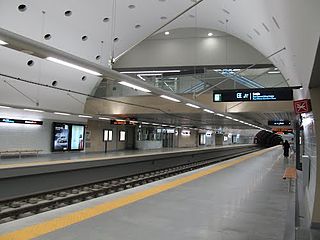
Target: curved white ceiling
{"type": "Point", "coordinates": [267, 25]}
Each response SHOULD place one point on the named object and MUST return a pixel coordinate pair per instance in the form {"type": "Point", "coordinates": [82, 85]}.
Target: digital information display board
{"type": "Point", "coordinates": [253, 95]}
{"type": "Point", "coordinates": [20, 121]}
{"type": "Point", "coordinates": [279, 123]}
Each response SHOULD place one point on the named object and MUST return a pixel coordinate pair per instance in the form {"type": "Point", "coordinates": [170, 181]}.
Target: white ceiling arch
{"type": "Point", "coordinates": [267, 25]}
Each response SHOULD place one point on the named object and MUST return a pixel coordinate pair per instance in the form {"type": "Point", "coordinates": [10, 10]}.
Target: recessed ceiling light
{"type": "Point", "coordinates": [84, 38]}
{"type": "Point", "coordinates": [33, 110]}
{"type": "Point", "coordinates": [137, 26]}
{"type": "Point", "coordinates": [63, 114]}
{"type": "Point", "coordinates": [84, 116]}
{"type": "Point", "coordinates": [134, 86]}
{"type": "Point", "coordinates": [170, 98]}
{"type": "Point", "coordinates": [106, 19]}
{"type": "Point", "coordinates": [131, 6]}
{"type": "Point", "coordinates": [104, 118]}
{"type": "Point", "coordinates": [208, 111]}
{"type": "Point", "coordinates": [116, 39]}
{"type": "Point", "coordinates": [73, 66]}
{"type": "Point", "coordinates": [163, 18]}
{"type": "Point", "coordinates": [3, 42]}
{"type": "Point", "coordinates": [166, 33]}
{"type": "Point", "coordinates": [210, 34]}
{"type": "Point", "coordinates": [5, 107]}
{"type": "Point", "coordinates": [192, 105]}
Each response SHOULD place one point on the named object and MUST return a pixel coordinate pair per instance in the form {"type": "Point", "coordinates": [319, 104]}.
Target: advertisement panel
{"type": "Point", "coordinates": [60, 137]}
{"type": "Point", "coordinates": [77, 134]}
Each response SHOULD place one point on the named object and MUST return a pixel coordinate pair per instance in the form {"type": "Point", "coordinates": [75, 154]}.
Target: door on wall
{"type": "Point", "coordinates": [167, 141]}
{"type": "Point", "coordinates": [202, 139]}
{"type": "Point", "coordinates": [130, 140]}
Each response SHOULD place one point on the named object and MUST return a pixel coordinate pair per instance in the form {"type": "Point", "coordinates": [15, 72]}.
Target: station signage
{"type": "Point", "coordinates": [253, 95]}
{"type": "Point", "coordinates": [302, 106]}
{"type": "Point", "coordinates": [20, 121]}
{"type": "Point", "coordinates": [279, 123]}
{"type": "Point", "coordinates": [282, 130]}
{"type": "Point", "coordinates": [123, 122]}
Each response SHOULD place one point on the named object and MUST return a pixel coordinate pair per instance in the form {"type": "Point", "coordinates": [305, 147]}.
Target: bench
{"type": "Point", "coordinates": [291, 174]}
{"type": "Point", "coordinates": [19, 152]}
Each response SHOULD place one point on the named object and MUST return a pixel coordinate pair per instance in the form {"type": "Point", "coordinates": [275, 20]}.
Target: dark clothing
{"type": "Point", "coordinates": [286, 147]}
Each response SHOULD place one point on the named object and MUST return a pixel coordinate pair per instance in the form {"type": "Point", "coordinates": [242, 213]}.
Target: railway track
{"type": "Point", "coordinates": [27, 206]}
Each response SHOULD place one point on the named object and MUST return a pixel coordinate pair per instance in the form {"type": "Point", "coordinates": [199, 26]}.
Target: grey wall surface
{"type": "Point", "coordinates": [311, 125]}
{"type": "Point", "coordinates": [19, 136]}
{"type": "Point", "coordinates": [190, 52]}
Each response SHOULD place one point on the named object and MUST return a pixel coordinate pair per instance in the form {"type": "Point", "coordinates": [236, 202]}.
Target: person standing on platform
{"type": "Point", "coordinates": [286, 148]}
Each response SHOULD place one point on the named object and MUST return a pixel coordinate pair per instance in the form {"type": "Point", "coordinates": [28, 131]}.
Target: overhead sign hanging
{"type": "Point", "coordinates": [253, 95]}
{"type": "Point", "coordinates": [20, 121]}
{"type": "Point", "coordinates": [279, 123]}
{"type": "Point", "coordinates": [302, 106]}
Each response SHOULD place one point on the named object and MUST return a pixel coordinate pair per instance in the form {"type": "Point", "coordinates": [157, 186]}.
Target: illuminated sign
{"type": "Point", "coordinates": [123, 122]}
{"type": "Point", "coordinates": [282, 130]}
{"type": "Point", "coordinates": [253, 95]}
{"type": "Point", "coordinates": [279, 123]}
{"type": "Point", "coordinates": [185, 133]}
{"type": "Point", "coordinates": [20, 121]}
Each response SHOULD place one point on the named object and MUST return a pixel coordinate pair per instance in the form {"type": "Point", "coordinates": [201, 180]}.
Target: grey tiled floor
{"type": "Point", "coordinates": [247, 201]}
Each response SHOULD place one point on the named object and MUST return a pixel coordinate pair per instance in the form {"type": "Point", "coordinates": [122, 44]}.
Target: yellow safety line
{"type": "Point", "coordinates": [79, 216]}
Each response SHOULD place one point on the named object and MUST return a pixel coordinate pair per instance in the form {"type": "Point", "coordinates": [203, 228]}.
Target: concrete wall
{"type": "Point", "coordinates": [96, 143]}
{"type": "Point", "coordinates": [188, 140]}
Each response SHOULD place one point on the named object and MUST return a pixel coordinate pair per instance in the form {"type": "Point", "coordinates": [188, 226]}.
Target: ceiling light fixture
{"type": "Point", "coordinates": [170, 98]}
{"type": "Point", "coordinates": [145, 123]}
{"type": "Point", "coordinates": [63, 114]}
{"type": "Point", "coordinates": [4, 107]}
{"type": "Point", "coordinates": [84, 116]}
{"type": "Point", "coordinates": [210, 34]}
{"type": "Point", "coordinates": [103, 118]}
{"type": "Point", "coordinates": [208, 111]}
{"type": "Point", "coordinates": [219, 114]}
{"type": "Point", "coordinates": [33, 110]}
{"type": "Point", "coordinates": [3, 42]}
{"type": "Point", "coordinates": [166, 33]}
{"type": "Point", "coordinates": [55, 60]}
{"type": "Point", "coordinates": [146, 72]}
{"type": "Point", "coordinates": [274, 72]}
{"type": "Point", "coordinates": [134, 86]}
{"type": "Point", "coordinates": [192, 105]}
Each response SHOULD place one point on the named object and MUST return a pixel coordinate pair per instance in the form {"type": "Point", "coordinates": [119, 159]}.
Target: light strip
{"type": "Point", "coordinates": [192, 105]}
{"type": "Point", "coordinates": [4, 107]}
{"type": "Point", "coordinates": [208, 111]}
{"type": "Point", "coordinates": [3, 42]}
{"type": "Point", "coordinates": [170, 98]}
{"type": "Point", "coordinates": [84, 116]}
{"type": "Point", "coordinates": [134, 86]}
{"type": "Point", "coordinates": [33, 110]}
{"type": "Point", "coordinates": [229, 117]}
{"type": "Point", "coordinates": [63, 114]}
{"type": "Point", "coordinates": [142, 72]}
{"type": "Point", "coordinates": [219, 114]}
{"type": "Point", "coordinates": [145, 123]}
{"type": "Point", "coordinates": [52, 59]}
{"type": "Point", "coordinates": [155, 124]}
{"type": "Point", "coordinates": [103, 118]}
{"type": "Point", "coordinates": [274, 72]}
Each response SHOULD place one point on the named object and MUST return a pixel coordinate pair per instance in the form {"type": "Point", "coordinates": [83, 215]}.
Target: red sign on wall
{"type": "Point", "coordinates": [302, 106]}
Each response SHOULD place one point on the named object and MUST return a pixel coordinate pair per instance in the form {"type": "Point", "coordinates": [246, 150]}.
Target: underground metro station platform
{"type": "Point", "coordinates": [165, 119]}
